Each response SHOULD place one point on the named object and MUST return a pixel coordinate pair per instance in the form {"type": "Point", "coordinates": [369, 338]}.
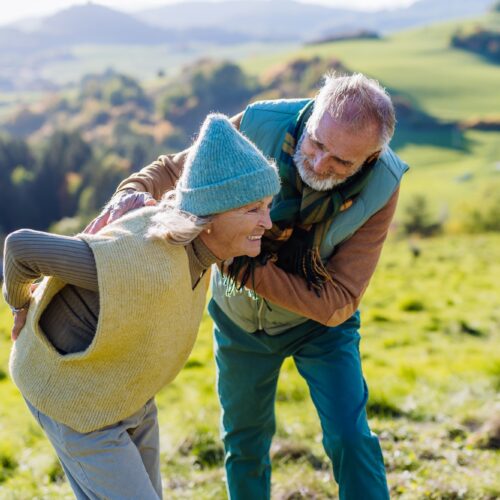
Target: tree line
{"type": "Point", "coordinates": [61, 160]}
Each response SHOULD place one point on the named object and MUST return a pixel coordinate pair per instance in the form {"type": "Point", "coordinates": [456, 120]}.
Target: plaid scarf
{"type": "Point", "coordinates": [301, 217]}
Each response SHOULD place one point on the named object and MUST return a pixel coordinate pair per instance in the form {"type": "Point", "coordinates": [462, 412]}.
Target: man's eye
{"type": "Point", "coordinates": [320, 146]}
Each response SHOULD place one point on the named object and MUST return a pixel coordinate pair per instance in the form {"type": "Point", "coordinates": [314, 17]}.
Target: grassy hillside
{"type": "Point", "coordinates": [446, 82]}
{"type": "Point", "coordinates": [429, 357]}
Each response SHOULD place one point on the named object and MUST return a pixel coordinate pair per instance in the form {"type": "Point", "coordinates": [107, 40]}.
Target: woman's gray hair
{"type": "Point", "coordinates": [174, 225]}
{"type": "Point", "coordinates": [357, 102]}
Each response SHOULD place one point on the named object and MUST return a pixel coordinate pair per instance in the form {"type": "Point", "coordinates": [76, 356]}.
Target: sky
{"type": "Point", "coordinates": [11, 11]}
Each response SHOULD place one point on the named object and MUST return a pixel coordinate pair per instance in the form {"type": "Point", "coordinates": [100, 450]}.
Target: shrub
{"type": "Point", "coordinates": [8, 464]}
{"type": "Point", "coordinates": [417, 218]}
{"type": "Point", "coordinates": [206, 449]}
{"type": "Point", "coordinates": [379, 405]}
{"type": "Point", "coordinates": [482, 214]}
{"type": "Point", "coordinates": [411, 304]}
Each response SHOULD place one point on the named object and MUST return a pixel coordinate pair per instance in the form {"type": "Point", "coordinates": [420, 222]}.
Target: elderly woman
{"type": "Point", "coordinates": [118, 315]}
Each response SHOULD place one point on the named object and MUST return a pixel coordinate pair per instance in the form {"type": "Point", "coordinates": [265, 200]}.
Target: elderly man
{"type": "Point", "coordinates": [340, 184]}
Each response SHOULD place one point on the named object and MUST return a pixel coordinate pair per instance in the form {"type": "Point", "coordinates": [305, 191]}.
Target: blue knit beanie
{"type": "Point", "coordinates": [223, 170]}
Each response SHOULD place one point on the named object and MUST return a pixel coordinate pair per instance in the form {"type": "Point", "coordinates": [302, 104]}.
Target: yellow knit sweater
{"type": "Point", "coordinates": [148, 321]}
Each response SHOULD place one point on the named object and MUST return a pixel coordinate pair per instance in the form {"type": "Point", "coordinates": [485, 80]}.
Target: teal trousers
{"type": "Point", "coordinates": [248, 366]}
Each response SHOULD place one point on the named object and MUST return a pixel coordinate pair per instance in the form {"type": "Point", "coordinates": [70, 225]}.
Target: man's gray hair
{"type": "Point", "coordinates": [357, 102]}
{"type": "Point", "coordinates": [174, 225]}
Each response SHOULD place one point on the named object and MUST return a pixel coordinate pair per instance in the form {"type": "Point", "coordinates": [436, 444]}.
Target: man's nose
{"type": "Point", "coordinates": [320, 163]}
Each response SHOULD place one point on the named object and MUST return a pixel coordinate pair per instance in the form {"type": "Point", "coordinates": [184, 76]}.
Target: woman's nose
{"type": "Point", "coordinates": [266, 221]}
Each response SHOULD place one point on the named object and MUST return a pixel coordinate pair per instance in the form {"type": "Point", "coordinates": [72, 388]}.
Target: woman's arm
{"type": "Point", "coordinates": [29, 255]}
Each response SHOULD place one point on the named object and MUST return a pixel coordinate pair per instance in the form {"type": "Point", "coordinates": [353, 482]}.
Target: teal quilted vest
{"type": "Point", "coordinates": [265, 123]}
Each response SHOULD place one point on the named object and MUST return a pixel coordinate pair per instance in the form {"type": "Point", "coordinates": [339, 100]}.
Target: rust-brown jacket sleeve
{"type": "Point", "coordinates": [351, 268]}
{"type": "Point", "coordinates": [162, 175]}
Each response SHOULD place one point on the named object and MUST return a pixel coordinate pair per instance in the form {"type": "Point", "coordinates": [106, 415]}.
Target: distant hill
{"type": "Point", "coordinates": [95, 24]}
{"type": "Point", "coordinates": [279, 19]}
{"type": "Point", "coordinates": [288, 19]}
{"type": "Point", "coordinates": [222, 22]}
{"type": "Point", "coordinates": [91, 23]}
{"type": "Point", "coordinates": [31, 51]}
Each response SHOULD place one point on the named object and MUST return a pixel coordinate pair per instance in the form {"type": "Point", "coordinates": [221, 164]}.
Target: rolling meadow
{"type": "Point", "coordinates": [430, 318]}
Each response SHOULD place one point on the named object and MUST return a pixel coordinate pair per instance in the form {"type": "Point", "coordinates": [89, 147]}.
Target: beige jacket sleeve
{"type": "Point", "coordinates": [351, 268]}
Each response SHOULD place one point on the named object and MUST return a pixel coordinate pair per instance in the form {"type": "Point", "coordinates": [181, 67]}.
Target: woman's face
{"type": "Point", "coordinates": [239, 231]}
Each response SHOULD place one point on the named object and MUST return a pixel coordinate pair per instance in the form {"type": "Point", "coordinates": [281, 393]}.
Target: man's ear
{"type": "Point", "coordinates": [372, 159]}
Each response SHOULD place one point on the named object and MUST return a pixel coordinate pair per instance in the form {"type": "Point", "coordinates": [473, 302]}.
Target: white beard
{"type": "Point", "coordinates": [308, 175]}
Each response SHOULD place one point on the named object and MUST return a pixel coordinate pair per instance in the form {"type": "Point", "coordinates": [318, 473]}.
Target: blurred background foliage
{"type": "Point", "coordinates": [63, 156]}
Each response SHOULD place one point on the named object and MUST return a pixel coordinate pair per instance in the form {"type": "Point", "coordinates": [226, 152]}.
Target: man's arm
{"type": "Point", "coordinates": [351, 268]}
{"type": "Point", "coordinates": [158, 177]}
{"type": "Point", "coordinates": [146, 186]}
{"type": "Point", "coordinates": [162, 175]}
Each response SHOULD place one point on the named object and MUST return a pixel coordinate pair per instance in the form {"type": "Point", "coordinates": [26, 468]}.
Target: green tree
{"type": "Point", "coordinates": [100, 180]}
{"type": "Point", "coordinates": [63, 160]}
{"type": "Point", "coordinates": [204, 87]}
{"type": "Point", "coordinates": [115, 89]}
{"type": "Point", "coordinates": [17, 166]}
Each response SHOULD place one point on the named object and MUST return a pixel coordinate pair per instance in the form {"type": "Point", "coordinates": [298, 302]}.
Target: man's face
{"type": "Point", "coordinates": [329, 154]}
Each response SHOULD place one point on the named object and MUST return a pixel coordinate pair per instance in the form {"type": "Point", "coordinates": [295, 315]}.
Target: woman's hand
{"type": "Point", "coordinates": [19, 321]}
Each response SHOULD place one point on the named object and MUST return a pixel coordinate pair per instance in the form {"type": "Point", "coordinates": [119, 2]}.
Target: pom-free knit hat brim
{"type": "Point", "coordinates": [223, 171]}
{"type": "Point", "coordinates": [229, 194]}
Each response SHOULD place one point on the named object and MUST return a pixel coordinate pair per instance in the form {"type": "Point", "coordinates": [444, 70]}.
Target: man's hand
{"type": "Point", "coordinates": [19, 321]}
{"type": "Point", "coordinates": [120, 204]}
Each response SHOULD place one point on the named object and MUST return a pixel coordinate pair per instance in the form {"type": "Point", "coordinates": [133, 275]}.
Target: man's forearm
{"type": "Point", "coordinates": [158, 177]}
{"type": "Point", "coordinates": [351, 268]}
{"type": "Point", "coordinates": [162, 175]}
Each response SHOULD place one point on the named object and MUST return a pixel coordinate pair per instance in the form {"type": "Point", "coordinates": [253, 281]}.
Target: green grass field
{"type": "Point", "coordinates": [143, 62]}
{"type": "Point", "coordinates": [431, 324]}
{"type": "Point", "coordinates": [448, 83]}
{"type": "Point", "coordinates": [430, 347]}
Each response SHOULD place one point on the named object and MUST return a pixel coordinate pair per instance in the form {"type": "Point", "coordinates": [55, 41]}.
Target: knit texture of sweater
{"type": "Point", "coordinates": [148, 321]}
{"type": "Point", "coordinates": [70, 320]}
